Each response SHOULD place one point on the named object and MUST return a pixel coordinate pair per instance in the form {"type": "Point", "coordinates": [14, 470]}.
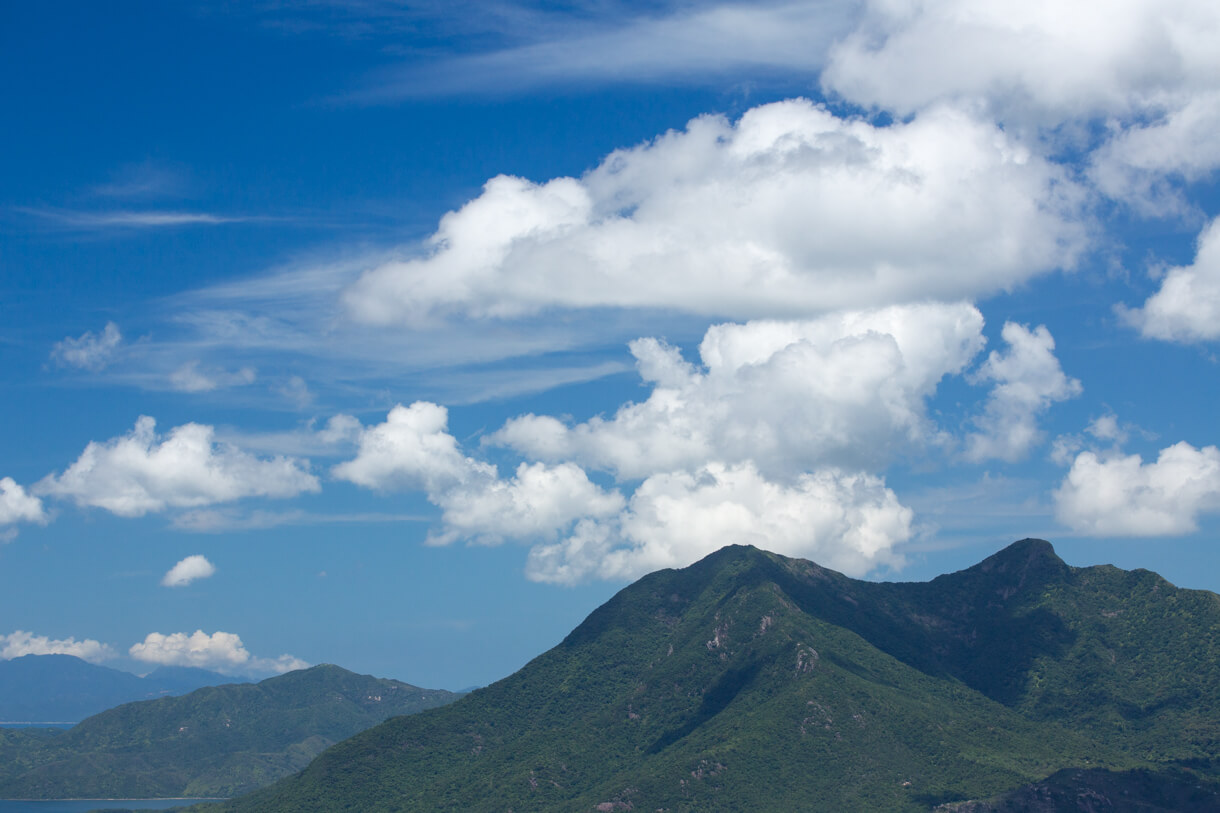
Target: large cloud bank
{"type": "Point", "coordinates": [773, 439]}
{"type": "Point", "coordinates": [789, 211]}
{"type": "Point", "coordinates": [839, 258]}
{"type": "Point", "coordinates": [581, 530]}
{"type": "Point", "coordinates": [845, 390]}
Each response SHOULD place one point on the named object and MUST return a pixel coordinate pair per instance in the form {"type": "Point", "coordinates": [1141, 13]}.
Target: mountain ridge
{"type": "Point", "coordinates": [754, 680]}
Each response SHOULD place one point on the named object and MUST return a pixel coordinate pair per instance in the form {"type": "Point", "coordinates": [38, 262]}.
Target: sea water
{"type": "Point", "coordinates": [85, 805]}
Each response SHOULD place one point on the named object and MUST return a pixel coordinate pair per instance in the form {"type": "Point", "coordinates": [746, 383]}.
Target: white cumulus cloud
{"type": "Point", "coordinates": [91, 351]}
{"type": "Point", "coordinates": [846, 390]}
{"type": "Point", "coordinates": [412, 449]}
{"type": "Point", "coordinates": [850, 522]}
{"type": "Point", "coordinates": [220, 651]}
{"type": "Point", "coordinates": [16, 505]}
{"type": "Point", "coordinates": [1149, 68]}
{"type": "Point", "coordinates": [1141, 162]}
{"type": "Point", "coordinates": [789, 211]}
{"type": "Point", "coordinates": [1041, 59]}
{"type": "Point", "coordinates": [1187, 307]}
{"type": "Point", "coordinates": [20, 643]}
{"type": "Point", "coordinates": [1121, 495]}
{"type": "Point", "coordinates": [190, 569]}
{"type": "Point", "coordinates": [142, 472]}
{"type": "Point", "coordinates": [1028, 379]}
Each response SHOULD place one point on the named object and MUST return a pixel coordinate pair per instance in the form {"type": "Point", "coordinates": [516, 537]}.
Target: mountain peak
{"type": "Point", "coordinates": [1025, 556]}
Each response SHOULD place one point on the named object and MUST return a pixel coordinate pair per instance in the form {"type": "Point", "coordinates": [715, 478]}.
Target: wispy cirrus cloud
{"type": "Point", "coordinates": [143, 180]}
{"type": "Point", "coordinates": [75, 219]}
{"type": "Point", "coordinates": [673, 43]}
{"type": "Point", "coordinates": [224, 520]}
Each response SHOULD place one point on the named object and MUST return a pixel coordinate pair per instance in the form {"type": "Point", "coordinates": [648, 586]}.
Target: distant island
{"type": "Point", "coordinates": [213, 742]}
{"type": "Point", "coordinates": [64, 689]}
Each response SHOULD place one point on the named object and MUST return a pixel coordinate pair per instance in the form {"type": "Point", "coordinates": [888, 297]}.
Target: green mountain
{"type": "Point", "coordinates": [215, 741]}
{"type": "Point", "coordinates": [750, 681]}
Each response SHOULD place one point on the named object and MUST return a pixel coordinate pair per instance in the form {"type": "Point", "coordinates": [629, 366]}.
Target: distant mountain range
{"type": "Point", "coordinates": [214, 741]}
{"type": "Point", "coordinates": [750, 681]}
{"type": "Point", "coordinates": [66, 689]}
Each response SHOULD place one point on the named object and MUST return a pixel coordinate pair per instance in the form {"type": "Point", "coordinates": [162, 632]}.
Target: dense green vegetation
{"type": "Point", "coordinates": [1095, 789]}
{"type": "Point", "coordinates": [215, 741]}
{"type": "Point", "coordinates": [754, 682]}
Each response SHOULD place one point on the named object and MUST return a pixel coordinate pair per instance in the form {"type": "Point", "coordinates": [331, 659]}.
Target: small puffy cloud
{"type": "Point", "coordinates": [412, 449]}
{"type": "Point", "coordinates": [788, 212]}
{"type": "Point", "coordinates": [1028, 379]}
{"type": "Point", "coordinates": [845, 390]}
{"type": "Point", "coordinates": [142, 472]}
{"type": "Point", "coordinates": [297, 391]}
{"type": "Point", "coordinates": [190, 377]}
{"type": "Point", "coordinates": [1104, 430]}
{"type": "Point", "coordinates": [19, 643]}
{"type": "Point", "coordinates": [1121, 495]}
{"type": "Point", "coordinates": [340, 429]}
{"type": "Point", "coordinates": [1106, 427]}
{"type": "Point", "coordinates": [220, 651]}
{"type": "Point", "coordinates": [16, 505]}
{"type": "Point", "coordinates": [850, 522]}
{"type": "Point", "coordinates": [90, 351]}
{"type": "Point", "coordinates": [188, 570]}
{"type": "Point", "coordinates": [1187, 307]}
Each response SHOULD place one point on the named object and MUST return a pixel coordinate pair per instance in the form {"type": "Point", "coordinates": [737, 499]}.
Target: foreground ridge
{"type": "Point", "coordinates": [751, 680]}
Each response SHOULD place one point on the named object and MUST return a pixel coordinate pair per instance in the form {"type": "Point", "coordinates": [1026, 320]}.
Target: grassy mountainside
{"type": "Point", "coordinates": [752, 681]}
{"type": "Point", "coordinates": [215, 741]}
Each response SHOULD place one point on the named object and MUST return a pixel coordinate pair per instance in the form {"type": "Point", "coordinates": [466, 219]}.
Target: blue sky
{"type": "Point", "coordinates": [401, 336]}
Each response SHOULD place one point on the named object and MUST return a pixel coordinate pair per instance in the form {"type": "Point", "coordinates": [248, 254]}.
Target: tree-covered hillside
{"type": "Point", "coordinates": [752, 681]}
